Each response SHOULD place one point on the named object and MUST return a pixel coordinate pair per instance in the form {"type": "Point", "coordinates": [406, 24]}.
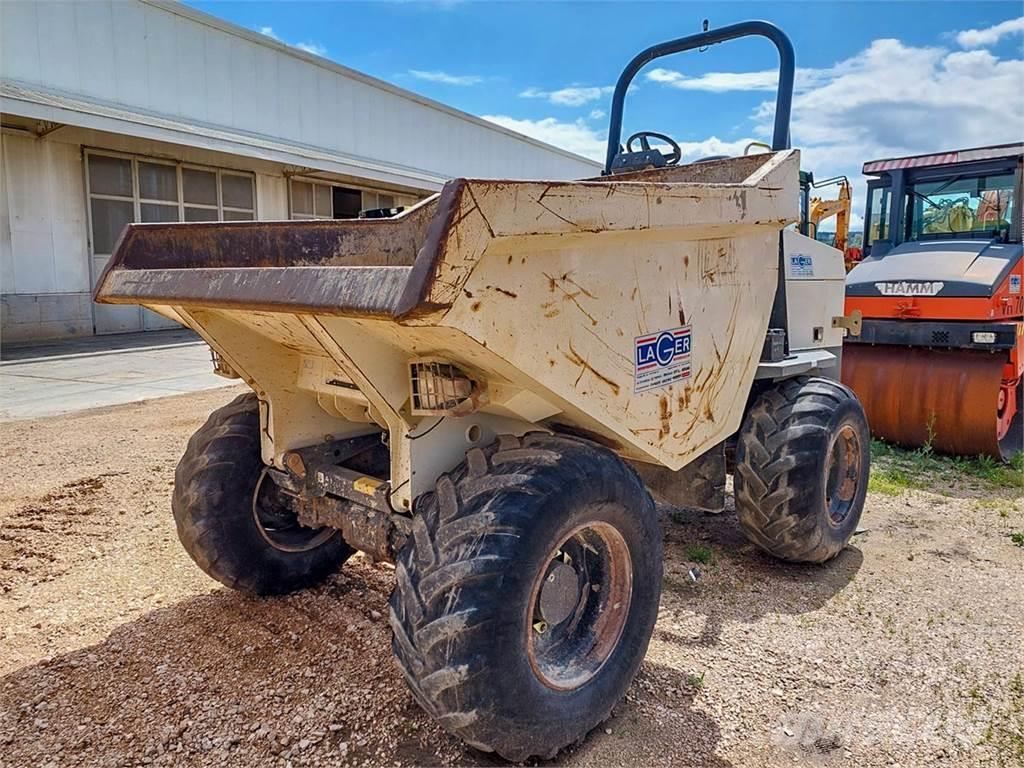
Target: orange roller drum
{"type": "Point", "coordinates": [948, 399]}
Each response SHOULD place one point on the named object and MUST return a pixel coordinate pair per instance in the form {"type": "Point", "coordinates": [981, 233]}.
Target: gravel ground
{"type": "Point", "coordinates": [906, 650]}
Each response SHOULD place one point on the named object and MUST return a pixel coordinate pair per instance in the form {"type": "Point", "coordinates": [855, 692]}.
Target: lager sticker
{"type": "Point", "coordinates": [801, 265]}
{"type": "Point", "coordinates": [661, 358]}
{"type": "Point", "coordinates": [1014, 283]}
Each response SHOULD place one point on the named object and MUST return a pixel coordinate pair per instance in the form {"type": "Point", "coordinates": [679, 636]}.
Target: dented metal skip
{"type": "Point", "coordinates": [631, 309]}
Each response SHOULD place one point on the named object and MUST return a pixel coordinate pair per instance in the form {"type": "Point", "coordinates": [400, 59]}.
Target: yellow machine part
{"type": "Point", "coordinates": [916, 396]}
{"type": "Point", "coordinates": [821, 209]}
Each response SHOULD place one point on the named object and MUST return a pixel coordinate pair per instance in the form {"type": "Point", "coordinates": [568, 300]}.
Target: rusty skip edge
{"type": "Point", "coordinates": [286, 265]}
{"type": "Point", "coordinates": [379, 268]}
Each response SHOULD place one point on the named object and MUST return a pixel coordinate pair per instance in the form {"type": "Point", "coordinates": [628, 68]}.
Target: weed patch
{"type": "Point", "coordinates": [699, 554]}
{"type": "Point", "coordinates": [896, 470]}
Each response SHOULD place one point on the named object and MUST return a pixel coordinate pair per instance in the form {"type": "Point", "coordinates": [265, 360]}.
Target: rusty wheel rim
{"type": "Point", "coordinates": [842, 473]}
{"type": "Point", "coordinates": [579, 604]}
{"type": "Point", "coordinates": [278, 522]}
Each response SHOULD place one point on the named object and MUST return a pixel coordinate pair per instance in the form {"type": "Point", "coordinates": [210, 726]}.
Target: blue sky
{"type": "Point", "coordinates": [874, 78]}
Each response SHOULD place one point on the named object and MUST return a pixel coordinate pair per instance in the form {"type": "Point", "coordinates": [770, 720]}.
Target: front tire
{"type": "Point", "coordinates": [527, 593]}
{"type": "Point", "coordinates": [231, 519]}
{"type": "Point", "coordinates": [802, 462]}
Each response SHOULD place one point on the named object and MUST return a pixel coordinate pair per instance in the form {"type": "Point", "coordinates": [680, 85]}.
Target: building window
{"type": "Point", "coordinates": [311, 201]}
{"type": "Point", "coordinates": [320, 200]}
{"type": "Point", "coordinates": [314, 200]}
{"type": "Point", "coordinates": [111, 200]}
{"type": "Point", "coordinates": [123, 189]}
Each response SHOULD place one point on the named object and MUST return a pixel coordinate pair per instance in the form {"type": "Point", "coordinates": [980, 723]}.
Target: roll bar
{"type": "Point", "coordinates": [783, 99]}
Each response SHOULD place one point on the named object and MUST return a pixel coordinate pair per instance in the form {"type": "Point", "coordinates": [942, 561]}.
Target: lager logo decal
{"type": "Point", "coordinates": [801, 265]}
{"type": "Point", "coordinates": [1014, 283]}
{"type": "Point", "coordinates": [904, 288]}
{"type": "Point", "coordinates": [661, 358]}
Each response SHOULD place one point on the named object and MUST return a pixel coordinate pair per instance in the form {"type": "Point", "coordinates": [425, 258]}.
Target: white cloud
{"type": "Point", "coordinates": [716, 81]}
{"type": "Point", "coordinates": [719, 82]}
{"type": "Point", "coordinates": [597, 114]}
{"type": "Point", "coordinates": [897, 99]}
{"type": "Point", "coordinates": [570, 96]}
{"type": "Point", "coordinates": [309, 47]}
{"type": "Point", "coordinates": [979, 38]}
{"type": "Point", "coordinates": [580, 138]}
{"type": "Point", "coordinates": [894, 99]}
{"type": "Point", "coordinates": [315, 48]}
{"type": "Point", "coordinates": [437, 76]}
{"type": "Point", "coordinates": [575, 137]}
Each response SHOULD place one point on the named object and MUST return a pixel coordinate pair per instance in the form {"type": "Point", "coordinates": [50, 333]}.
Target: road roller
{"type": "Point", "coordinates": [940, 355]}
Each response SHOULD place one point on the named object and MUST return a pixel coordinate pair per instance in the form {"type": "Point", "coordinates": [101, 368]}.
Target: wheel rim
{"type": "Point", "coordinates": [843, 473]}
{"type": "Point", "coordinates": [277, 521]}
{"type": "Point", "coordinates": [579, 605]}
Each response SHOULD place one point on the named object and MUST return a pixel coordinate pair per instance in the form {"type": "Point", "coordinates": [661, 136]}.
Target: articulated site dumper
{"type": "Point", "coordinates": [486, 390]}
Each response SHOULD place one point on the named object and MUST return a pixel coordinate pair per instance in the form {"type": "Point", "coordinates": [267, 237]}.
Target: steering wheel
{"type": "Point", "coordinates": [671, 158]}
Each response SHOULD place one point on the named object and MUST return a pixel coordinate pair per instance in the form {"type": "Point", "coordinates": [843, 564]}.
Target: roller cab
{"type": "Point", "coordinates": [941, 351]}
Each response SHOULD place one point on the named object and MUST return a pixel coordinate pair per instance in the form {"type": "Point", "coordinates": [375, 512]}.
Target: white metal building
{"type": "Point", "coordinates": [116, 111]}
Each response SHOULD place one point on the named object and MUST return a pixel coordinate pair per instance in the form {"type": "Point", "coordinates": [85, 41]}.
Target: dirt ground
{"type": "Point", "coordinates": [906, 650]}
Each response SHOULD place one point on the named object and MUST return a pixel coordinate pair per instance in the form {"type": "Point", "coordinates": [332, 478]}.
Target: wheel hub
{"type": "Point", "coordinates": [579, 606]}
{"type": "Point", "coordinates": [842, 473]}
{"type": "Point", "coordinates": [559, 594]}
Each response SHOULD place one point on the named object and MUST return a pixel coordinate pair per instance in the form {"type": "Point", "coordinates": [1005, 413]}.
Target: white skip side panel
{"type": "Point", "coordinates": [815, 292]}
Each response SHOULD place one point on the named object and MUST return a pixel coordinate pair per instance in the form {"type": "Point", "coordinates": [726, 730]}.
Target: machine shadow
{"type": "Point", "coordinates": [223, 679]}
{"type": "Point", "coordinates": [739, 583]}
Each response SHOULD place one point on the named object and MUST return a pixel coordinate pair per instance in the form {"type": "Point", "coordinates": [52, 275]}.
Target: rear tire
{"type": "Point", "coordinates": [218, 513]}
{"type": "Point", "coordinates": [471, 604]}
{"type": "Point", "coordinates": [802, 464]}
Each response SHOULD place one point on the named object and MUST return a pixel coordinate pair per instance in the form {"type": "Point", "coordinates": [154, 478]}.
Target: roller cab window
{"type": "Point", "coordinates": [876, 224]}
{"type": "Point", "coordinates": [963, 206]}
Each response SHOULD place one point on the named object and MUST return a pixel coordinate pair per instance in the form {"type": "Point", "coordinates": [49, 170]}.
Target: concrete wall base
{"type": "Point", "coordinates": [43, 316]}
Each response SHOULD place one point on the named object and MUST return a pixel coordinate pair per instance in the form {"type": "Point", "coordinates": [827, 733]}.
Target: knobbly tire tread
{"type": "Point", "coordinates": [455, 575]}
{"type": "Point", "coordinates": [779, 474]}
{"type": "Point", "coordinates": [211, 502]}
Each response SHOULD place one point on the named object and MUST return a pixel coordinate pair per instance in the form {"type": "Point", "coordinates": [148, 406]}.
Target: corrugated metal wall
{"type": "Point", "coordinates": [44, 257]}
{"type": "Point", "coordinates": [176, 62]}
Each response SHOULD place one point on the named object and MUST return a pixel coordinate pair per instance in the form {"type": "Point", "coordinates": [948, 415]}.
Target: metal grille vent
{"type": "Point", "coordinates": [438, 387]}
{"type": "Point", "coordinates": [940, 337]}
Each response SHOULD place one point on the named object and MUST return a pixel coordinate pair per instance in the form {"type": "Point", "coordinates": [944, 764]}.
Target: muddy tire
{"type": "Point", "coordinates": [233, 523]}
{"type": "Point", "coordinates": [527, 593]}
{"type": "Point", "coordinates": [802, 463]}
